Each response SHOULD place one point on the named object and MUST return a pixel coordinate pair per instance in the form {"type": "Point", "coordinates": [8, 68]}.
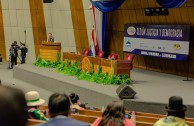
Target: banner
{"type": "Point", "coordinates": [164, 41]}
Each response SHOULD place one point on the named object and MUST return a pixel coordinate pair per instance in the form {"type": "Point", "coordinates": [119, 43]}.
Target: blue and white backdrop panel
{"type": "Point", "coordinates": [164, 41]}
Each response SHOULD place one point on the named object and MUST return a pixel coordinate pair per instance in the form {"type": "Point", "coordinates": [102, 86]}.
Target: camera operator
{"type": "Point", "coordinates": [14, 53]}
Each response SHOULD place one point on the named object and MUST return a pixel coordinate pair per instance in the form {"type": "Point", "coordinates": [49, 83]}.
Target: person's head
{"type": "Point", "coordinates": [74, 98]}
{"type": "Point", "coordinates": [22, 44]}
{"type": "Point", "coordinates": [113, 114]}
{"type": "Point", "coordinates": [175, 107]}
{"type": "Point", "coordinates": [33, 99]}
{"type": "Point", "coordinates": [13, 108]}
{"type": "Point", "coordinates": [59, 104]}
{"type": "Point", "coordinates": [50, 35]}
{"type": "Point", "coordinates": [15, 42]}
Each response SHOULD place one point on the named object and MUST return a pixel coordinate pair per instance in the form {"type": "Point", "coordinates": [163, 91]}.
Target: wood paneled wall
{"type": "Point", "coordinates": [2, 37]}
{"type": "Point", "coordinates": [79, 25]}
{"type": "Point", "coordinates": [132, 11]}
{"type": "Point", "coordinates": [38, 23]}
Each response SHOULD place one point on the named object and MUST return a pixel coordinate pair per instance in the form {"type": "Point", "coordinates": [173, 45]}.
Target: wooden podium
{"type": "Point", "coordinates": [50, 50]}
{"type": "Point", "coordinates": [108, 66]}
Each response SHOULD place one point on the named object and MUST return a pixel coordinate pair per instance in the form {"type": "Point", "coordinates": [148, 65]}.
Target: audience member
{"type": "Point", "coordinates": [113, 115]}
{"type": "Point", "coordinates": [176, 113]}
{"type": "Point", "coordinates": [13, 108]}
{"type": "Point", "coordinates": [60, 111]}
{"type": "Point", "coordinates": [75, 101]}
{"type": "Point", "coordinates": [33, 101]}
{"type": "Point", "coordinates": [50, 38]}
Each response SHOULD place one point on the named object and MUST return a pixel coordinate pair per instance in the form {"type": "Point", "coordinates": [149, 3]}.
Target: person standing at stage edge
{"type": "Point", "coordinates": [24, 50]}
{"type": "Point", "coordinates": [50, 38]}
{"type": "Point", "coordinates": [13, 53]}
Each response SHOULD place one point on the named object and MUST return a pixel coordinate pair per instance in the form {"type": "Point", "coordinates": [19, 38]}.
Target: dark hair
{"type": "Point", "coordinates": [15, 42]}
{"type": "Point", "coordinates": [50, 33]}
{"type": "Point", "coordinates": [74, 98]}
{"type": "Point", "coordinates": [13, 108]}
{"type": "Point", "coordinates": [59, 104]}
{"type": "Point", "coordinates": [113, 115]}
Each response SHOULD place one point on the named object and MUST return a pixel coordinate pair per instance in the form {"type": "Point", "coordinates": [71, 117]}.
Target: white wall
{"type": "Point", "coordinates": [59, 22]}
{"type": "Point", "coordinates": [16, 19]}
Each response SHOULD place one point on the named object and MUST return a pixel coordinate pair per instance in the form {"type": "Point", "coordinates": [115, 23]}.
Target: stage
{"type": "Point", "coordinates": [153, 88]}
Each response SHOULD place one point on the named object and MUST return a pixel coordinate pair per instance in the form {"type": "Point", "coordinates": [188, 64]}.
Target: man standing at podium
{"type": "Point", "coordinates": [50, 38]}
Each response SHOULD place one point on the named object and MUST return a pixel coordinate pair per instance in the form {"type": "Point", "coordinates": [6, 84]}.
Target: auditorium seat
{"type": "Point", "coordinates": [43, 107]}
{"type": "Point", "coordinates": [150, 114]}
{"type": "Point", "coordinates": [190, 123]}
{"type": "Point", "coordinates": [144, 124]}
{"type": "Point", "coordinates": [32, 122]}
{"type": "Point", "coordinates": [93, 108]}
{"type": "Point", "coordinates": [146, 119]}
{"type": "Point", "coordinates": [90, 113]}
{"type": "Point", "coordinates": [84, 118]}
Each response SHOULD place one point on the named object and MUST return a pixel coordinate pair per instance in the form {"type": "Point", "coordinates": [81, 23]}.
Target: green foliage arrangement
{"type": "Point", "coordinates": [47, 63]}
{"type": "Point", "coordinates": [69, 69]}
{"type": "Point", "coordinates": [73, 69]}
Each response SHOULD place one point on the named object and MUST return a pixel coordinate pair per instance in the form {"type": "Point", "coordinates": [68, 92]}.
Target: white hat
{"type": "Point", "coordinates": [33, 98]}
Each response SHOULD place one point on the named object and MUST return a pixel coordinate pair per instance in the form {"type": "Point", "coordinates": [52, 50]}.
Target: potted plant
{"type": "Point", "coordinates": [0, 58]}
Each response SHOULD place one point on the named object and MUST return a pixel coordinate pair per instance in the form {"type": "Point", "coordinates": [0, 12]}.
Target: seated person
{"type": "Point", "coordinates": [13, 108]}
{"type": "Point", "coordinates": [50, 38]}
{"type": "Point", "coordinates": [113, 115]}
{"type": "Point", "coordinates": [75, 101]}
{"type": "Point", "coordinates": [60, 111]}
{"type": "Point", "coordinates": [176, 113]}
{"type": "Point", "coordinates": [33, 101]}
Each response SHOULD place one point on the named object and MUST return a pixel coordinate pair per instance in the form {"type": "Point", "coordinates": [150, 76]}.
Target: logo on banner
{"type": "Point", "coordinates": [131, 30]}
{"type": "Point", "coordinates": [177, 47]}
{"type": "Point", "coordinates": [128, 44]}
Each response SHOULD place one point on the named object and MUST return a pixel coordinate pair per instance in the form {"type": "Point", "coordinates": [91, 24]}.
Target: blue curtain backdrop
{"type": "Point", "coordinates": [170, 3]}
{"type": "Point", "coordinates": [104, 7]}
{"type": "Point", "coordinates": [107, 5]}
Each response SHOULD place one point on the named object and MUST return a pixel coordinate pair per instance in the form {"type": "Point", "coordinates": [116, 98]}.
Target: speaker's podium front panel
{"type": "Point", "coordinates": [50, 50]}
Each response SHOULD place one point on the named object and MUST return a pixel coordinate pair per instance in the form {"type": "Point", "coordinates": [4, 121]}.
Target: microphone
{"type": "Point", "coordinates": [25, 31]}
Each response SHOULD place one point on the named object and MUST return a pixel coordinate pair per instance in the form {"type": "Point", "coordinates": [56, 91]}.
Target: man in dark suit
{"type": "Point", "coordinates": [24, 50]}
{"type": "Point", "coordinates": [50, 38]}
{"type": "Point", "coordinates": [60, 110]}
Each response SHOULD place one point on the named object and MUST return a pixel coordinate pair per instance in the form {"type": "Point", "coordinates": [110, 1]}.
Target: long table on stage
{"type": "Point", "coordinates": [111, 67]}
{"type": "Point", "coordinates": [50, 50]}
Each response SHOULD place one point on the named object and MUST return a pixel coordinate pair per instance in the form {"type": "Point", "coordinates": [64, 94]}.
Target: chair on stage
{"type": "Point", "coordinates": [86, 52]}
{"type": "Point", "coordinates": [100, 54]}
{"type": "Point", "coordinates": [130, 57]}
{"type": "Point", "coordinates": [113, 56]}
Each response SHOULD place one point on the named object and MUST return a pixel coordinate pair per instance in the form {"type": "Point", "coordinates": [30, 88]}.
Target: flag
{"type": "Point", "coordinates": [97, 31]}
